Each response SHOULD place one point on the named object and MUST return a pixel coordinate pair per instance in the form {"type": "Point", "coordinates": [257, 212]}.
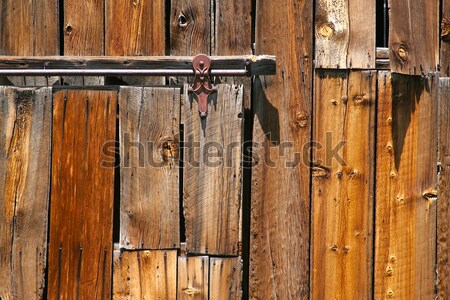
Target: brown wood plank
{"type": "Point", "coordinates": [80, 254]}
{"type": "Point", "coordinates": [145, 275]}
{"type": "Point", "coordinates": [25, 127]}
{"type": "Point", "coordinates": [445, 38]}
{"type": "Point", "coordinates": [342, 189]}
{"type": "Point", "coordinates": [443, 237]}
{"type": "Point", "coordinates": [212, 172]}
{"type": "Point", "coordinates": [414, 36]}
{"type": "Point", "coordinates": [149, 138]}
{"type": "Point", "coordinates": [193, 278]}
{"type": "Point", "coordinates": [246, 65]}
{"type": "Point", "coordinates": [190, 27]}
{"type": "Point", "coordinates": [84, 28]}
{"type": "Point", "coordinates": [29, 28]}
{"type": "Point", "coordinates": [136, 28]}
{"type": "Point", "coordinates": [405, 239]}
{"type": "Point", "coordinates": [280, 214]}
{"type": "Point", "coordinates": [225, 278]}
{"type": "Point", "coordinates": [345, 34]}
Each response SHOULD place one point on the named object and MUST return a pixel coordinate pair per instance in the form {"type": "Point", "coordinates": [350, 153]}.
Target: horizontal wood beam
{"type": "Point", "coordinates": [133, 65]}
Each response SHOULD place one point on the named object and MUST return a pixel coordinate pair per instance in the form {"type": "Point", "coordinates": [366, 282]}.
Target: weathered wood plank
{"type": "Point", "coordinates": [414, 36]}
{"type": "Point", "coordinates": [280, 213]}
{"type": "Point", "coordinates": [136, 28]}
{"type": "Point", "coordinates": [445, 38]}
{"type": "Point", "coordinates": [193, 278]}
{"type": "Point", "coordinates": [225, 278]}
{"type": "Point", "coordinates": [247, 65]}
{"type": "Point", "coordinates": [29, 28]}
{"type": "Point", "coordinates": [149, 147]}
{"type": "Point", "coordinates": [345, 34]}
{"type": "Point", "coordinates": [25, 128]}
{"type": "Point", "coordinates": [343, 181]}
{"type": "Point", "coordinates": [80, 252]}
{"type": "Point", "coordinates": [443, 232]}
{"type": "Point", "coordinates": [405, 240]}
{"type": "Point", "coordinates": [84, 28]}
{"type": "Point", "coordinates": [145, 275]}
{"type": "Point", "coordinates": [212, 172]}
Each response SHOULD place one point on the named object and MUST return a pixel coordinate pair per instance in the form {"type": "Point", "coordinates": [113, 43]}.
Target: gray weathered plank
{"type": "Point", "coordinates": [25, 128]}
{"type": "Point", "coordinates": [414, 36]}
{"type": "Point", "coordinates": [212, 172]}
{"type": "Point", "coordinates": [149, 173]}
{"type": "Point", "coordinates": [345, 34]}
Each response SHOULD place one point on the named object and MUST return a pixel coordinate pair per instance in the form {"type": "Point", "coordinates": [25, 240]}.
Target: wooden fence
{"type": "Point", "coordinates": [344, 193]}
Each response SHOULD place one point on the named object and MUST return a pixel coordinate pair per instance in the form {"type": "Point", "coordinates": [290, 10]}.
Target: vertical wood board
{"type": "Point", "coordinates": [343, 182]}
{"type": "Point", "coordinates": [80, 253]}
{"type": "Point", "coordinates": [149, 149]}
{"type": "Point", "coordinates": [212, 172]}
{"type": "Point", "coordinates": [406, 181]}
{"type": "Point", "coordinates": [25, 127]}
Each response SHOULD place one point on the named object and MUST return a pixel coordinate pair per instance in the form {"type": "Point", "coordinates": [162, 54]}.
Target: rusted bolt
{"type": "Point", "coordinates": [346, 249]}
{"type": "Point", "coordinates": [334, 248]}
{"type": "Point", "coordinates": [301, 119]}
{"type": "Point", "coordinates": [390, 293]}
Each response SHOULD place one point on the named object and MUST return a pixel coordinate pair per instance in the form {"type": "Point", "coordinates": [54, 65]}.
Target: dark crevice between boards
{"type": "Point", "coordinates": [382, 23]}
{"type": "Point", "coordinates": [116, 206]}
{"type": "Point", "coordinates": [247, 173]}
{"type": "Point", "coordinates": [61, 27]}
{"type": "Point", "coordinates": [181, 186]}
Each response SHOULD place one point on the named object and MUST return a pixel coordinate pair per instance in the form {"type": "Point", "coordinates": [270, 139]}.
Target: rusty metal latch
{"type": "Point", "coordinates": [202, 86]}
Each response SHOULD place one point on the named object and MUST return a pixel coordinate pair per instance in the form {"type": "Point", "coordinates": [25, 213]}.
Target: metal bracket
{"type": "Point", "coordinates": [202, 86]}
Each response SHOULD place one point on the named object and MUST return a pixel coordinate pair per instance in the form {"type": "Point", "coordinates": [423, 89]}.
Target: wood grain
{"type": "Point", "coordinates": [80, 252]}
{"type": "Point", "coordinates": [136, 28]}
{"type": "Point", "coordinates": [29, 28]}
{"type": "Point", "coordinates": [405, 240]}
{"type": "Point", "coordinates": [443, 233]}
{"type": "Point", "coordinates": [280, 214]}
{"type": "Point", "coordinates": [212, 172]}
{"type": "Point", "coordinates": [25, 127]}
{"type": "Point", "coordinates": [345, 34]}
{"type": "Point", "coordinates": [343, 182]}
{"type": "Point", "coordinates": [225, 278]}
{"type": "Point", "coordinates": [193, 278]}
{"type": "Point", "coordinates": [84, 28]}
{"type": "Point", "coordinates": [445, 38]}
{"type": "Point", "coordinates": [414, 36]}
{"type": "Point", "coordinates": [149, 174]}
{"type": "Point", "coordinates": [145, 275]}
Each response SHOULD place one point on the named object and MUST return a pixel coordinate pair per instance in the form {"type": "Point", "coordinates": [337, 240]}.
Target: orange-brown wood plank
{"type": "Point", "coordinates": [149, 190]}
{"type": "Point", "coordinates": [145, 275]}
{"type": "Point", "coordinates": [406, 182]}
{"type": "Point", "coordinates": [225, 278]}
{"type": "Point", "coordinates": [443, 226]}
{"type": "Point", "coordinates": [80, 253]}
{"type": "Point", "coordinates": [193, 278]}
{"type": "Point", "coordinates": [212, 172]}
{"type": "Point", "coordinates": [25, 130]}
{"type": "Point", "coordinates": [342, 188]}
{"type": "Point", "coordinates": [136, 28]}
{"type": "Point", "coordinates": [345, 34]}
{"type": "Point", "coordinates": [84, 30]}
{"type": "Point", "coordinates": [280, 213]}
{"type": "Point", "coordinates": [414, 36]}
